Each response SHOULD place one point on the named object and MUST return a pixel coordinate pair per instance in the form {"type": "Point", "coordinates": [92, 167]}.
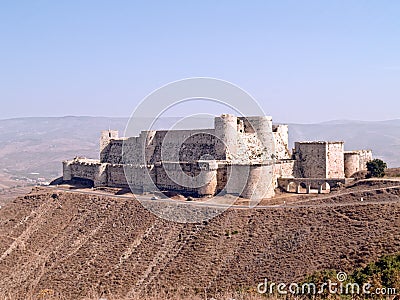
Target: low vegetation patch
{"type": "Point", "coordinates": [383, 275]}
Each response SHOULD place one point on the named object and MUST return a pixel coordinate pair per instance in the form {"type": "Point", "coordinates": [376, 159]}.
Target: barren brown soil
{"type": "Point", "coordinates": [393, 172]}
{"type": "Point", "coordinates": [7, 195]}
{"type": "Point", "coordinates": [11, 188]}
{"type": "Point", "coordinates": [75, 244]}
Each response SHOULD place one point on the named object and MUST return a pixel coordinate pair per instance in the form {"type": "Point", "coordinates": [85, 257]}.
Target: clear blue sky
{"type": "Point", "coordinates": [304, 61]}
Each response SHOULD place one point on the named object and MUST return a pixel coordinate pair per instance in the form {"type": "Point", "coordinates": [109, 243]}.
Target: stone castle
{"type": "Point", "coordinates": [244, 156]}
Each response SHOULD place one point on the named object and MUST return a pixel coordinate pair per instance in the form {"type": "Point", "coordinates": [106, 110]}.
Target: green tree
{"type": "Point", "coordinates": [376, 168]}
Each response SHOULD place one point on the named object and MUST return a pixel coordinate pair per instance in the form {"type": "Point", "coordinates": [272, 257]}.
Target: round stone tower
{"type": "Point", "coordinates": [262, 126]}
{"type": "Point", "coordinates": [208, 175]}
{"type": "Point", "coordinates": [259, 183]}
{"type": "Point", "coordinates": [351, 163]}
{"type": "Point", "coordinates": [226, 131]}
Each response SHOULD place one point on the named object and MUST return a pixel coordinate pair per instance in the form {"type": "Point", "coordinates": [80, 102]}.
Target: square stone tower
{"type": "Point", "coordinates": [319, 159]}
{"type": "Point", "coordinates": [105, 139]}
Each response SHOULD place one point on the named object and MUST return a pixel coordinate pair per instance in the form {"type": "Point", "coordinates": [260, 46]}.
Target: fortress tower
{"type": "Point", "coordinates": [226, 130]}
{"type": "Point", "coordinates": [262, 127]}
{"type": "Point", "coordinates": [105, 139]}
{"type": "Point", "coordinates": [319, 159]}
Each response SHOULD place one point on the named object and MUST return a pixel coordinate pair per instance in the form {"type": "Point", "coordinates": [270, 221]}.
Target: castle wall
{"type": "Point", "coordinates": [259, 182]}
{"type": "Point", "coordinates": [335, 160]}
{"type": "Point", "coordinates": [169, 176]}
{"type": "Point", "coordinates": [87, 169]}
{"type": "Point", "coordinates": [255, 124]}
{"type": "Point", "coordinates": [142, 149]}
{"type": "Point", "coordinates": [249, 181]}
{"type": "Point", "coordinates": [310, 159]}
{"type": "Point", "coordinates": [256, 142]}
{"type": "Point", "coordinates": [284, 169]}
{"type": "Point", "coordinates": [250, 148]}
{"type": "Point", "coordinates": [116, 176]}
{"type": "Point", "coordinates": [281, 138]}
{"type": "Point", "coordinates": [112, 153]}
{"type": "Point", "coordinates": [208, 174]}
{"type": "Point", "coordinates": [319, 159]}
{"type": "Point", "coordinates": [197, 147]}
{"type": "Point", "coordinates": [365, 156]}
{"type": "Point", "coordinates": [67, 171]}
{"type": "Point", "coordinates": [234, 178]}
{"type": "Point", "coordinates": [179, 145]}
{"type": "Point", "coordinates": [132, 149]}
{"type": "Point", "coordinates": [186, 145]}
{"type": "Point", "coordinates": [106, 137]}
{"type": "Point", "coordinates": [222, 177]}
{"type": "Point", "coordinates": [141, 178]}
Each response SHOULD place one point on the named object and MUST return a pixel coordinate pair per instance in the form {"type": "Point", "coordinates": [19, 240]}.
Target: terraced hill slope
{"type": "Point", "coordinates": [75, 244]}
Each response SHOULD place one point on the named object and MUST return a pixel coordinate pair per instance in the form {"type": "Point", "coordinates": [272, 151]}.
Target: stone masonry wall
{"type": "Point", "coordinates": [106, 137]}
{"type": "Point", "coordinates": [257, 186]}
{"type": "Point", "coordinates": [250, 148]}
{"type": "Point", "coordinates": [284, 169]}
{"type": "Point", "coordinates": [355, 161]}
{"type": "Point", "coordinates": [112, 153]}
{"type": "Point", "coordinates": [181, 145]}
{"type": "Point", "coordinates": [169, 176]}
{"type": "Point", "coordinates": [365, 156]}
{"type": "Point", "coordinates": [191, 145]}
{"type": "Point", "coordinates": [281, 138]}
{"type": "Point", "coordinates": [116, 176]}
{"type": "Point", "coordinates": [310, 160]}
{"type": "Point", "coordinates": [85, 170]}
{"type": "Point", "coordinates": [319, 159]}
{"type": "Point", "coordinates": [335, 160]}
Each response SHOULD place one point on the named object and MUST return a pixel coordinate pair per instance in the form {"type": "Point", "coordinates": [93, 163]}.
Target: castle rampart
{"type": "Point", "coordinates": [245, 156]}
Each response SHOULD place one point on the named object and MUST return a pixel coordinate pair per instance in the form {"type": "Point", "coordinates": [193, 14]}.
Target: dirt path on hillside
{"type": "Point", "coordinates": [293, 204]}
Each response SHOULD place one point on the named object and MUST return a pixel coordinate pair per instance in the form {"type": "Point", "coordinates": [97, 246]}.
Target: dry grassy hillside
{"type": "Point", "coordinates": [71, 245]}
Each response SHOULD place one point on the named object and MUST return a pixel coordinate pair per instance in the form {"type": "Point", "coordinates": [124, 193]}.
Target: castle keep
{"type": "Point", "coordinates": [245, 156]}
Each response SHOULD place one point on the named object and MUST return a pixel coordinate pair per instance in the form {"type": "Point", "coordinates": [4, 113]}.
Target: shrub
{"type": "Point", "coordinates": [376, 168]}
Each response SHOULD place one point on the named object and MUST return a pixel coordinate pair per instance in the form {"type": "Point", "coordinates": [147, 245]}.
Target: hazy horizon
{"type": "Point", "coordinates": [127, 117]}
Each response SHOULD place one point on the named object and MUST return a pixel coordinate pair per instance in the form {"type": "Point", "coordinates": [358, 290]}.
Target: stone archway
{"type": "Point", "coordinates": [292, 187]}
{"type": "Point", "coordinates": [324, 188]}
{"type": "Point", "coordinates": [302, 188]}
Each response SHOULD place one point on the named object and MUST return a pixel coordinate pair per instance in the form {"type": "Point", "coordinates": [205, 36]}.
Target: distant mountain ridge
{"type": "Point", "coordinates": [38, 145]}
